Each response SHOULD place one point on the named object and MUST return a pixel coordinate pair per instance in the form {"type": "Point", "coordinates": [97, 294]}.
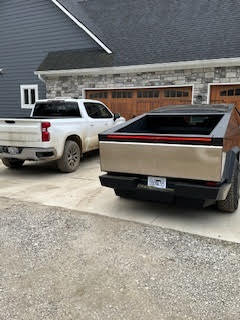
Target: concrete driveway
{"type": "Point", "coordinates": [42, 183]}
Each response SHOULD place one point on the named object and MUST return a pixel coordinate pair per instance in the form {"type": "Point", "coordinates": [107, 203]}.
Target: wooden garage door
{"type": "Point", "coordinates": [132, 102]}
{"type": "Point", "coordinates": [225, 94]}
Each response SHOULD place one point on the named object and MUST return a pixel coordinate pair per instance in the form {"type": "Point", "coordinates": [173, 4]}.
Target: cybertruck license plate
{"type": "Point", "coordinates": [157, 182]}
{"type": "Point", "coordinates": [13, 150]}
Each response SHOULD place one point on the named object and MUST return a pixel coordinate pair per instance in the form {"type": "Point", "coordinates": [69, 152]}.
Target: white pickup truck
{"type": "Point", "coordinates": [57, 129]}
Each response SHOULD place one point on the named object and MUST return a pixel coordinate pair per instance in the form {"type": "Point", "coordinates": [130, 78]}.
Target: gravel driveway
{"type": "Point", "coordinates": [62, 264]}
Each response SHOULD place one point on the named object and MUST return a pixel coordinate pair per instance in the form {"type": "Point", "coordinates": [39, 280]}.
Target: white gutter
{"type": "Point", "coordinates": [225, 62]}
{"type": "Point", "coordinates": [82, 26]}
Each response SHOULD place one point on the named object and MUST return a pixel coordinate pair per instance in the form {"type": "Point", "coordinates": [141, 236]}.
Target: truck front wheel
{"type": "Point", "coordinates": [70, 160]}
{"type": "Point", "coordinates": [13, 163]}
{"type": "Point", "coordinates": [230, 204]}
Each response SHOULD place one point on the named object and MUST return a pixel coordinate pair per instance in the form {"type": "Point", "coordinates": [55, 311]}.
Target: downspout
{"type": "Point", "coordinates": [40, 78]}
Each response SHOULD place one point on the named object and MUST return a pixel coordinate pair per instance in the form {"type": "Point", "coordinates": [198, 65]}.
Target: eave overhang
{"type": "Point", "coordinates": [182, 65]}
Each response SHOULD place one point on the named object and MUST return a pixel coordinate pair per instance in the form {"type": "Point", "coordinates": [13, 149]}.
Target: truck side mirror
{"type": "Point", "coordinates": [116, 116]}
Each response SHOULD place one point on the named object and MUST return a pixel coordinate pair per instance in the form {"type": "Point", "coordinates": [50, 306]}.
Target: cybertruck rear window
{"type": "Point", "coordinates": [175, 124]}
{"type": "Point", "coordinates": [56, 109]}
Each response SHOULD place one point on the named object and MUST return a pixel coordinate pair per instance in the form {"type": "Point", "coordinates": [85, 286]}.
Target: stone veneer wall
{"type": "Point", "coordinates": [71, 86]}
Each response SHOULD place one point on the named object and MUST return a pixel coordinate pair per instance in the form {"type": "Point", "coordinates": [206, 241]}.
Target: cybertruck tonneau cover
{"type": "Point", "coordinates": [197, 109]}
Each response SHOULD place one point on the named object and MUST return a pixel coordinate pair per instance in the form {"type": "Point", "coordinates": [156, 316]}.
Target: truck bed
{"type": "Point", "coordinates": [27, 131]}
{"type": "Point", "coordinates": [183, 145]}
{"type": "Point", "coordinates": [174, 124]}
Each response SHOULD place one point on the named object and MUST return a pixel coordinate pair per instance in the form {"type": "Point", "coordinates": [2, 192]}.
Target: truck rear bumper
{"type": "Point", "coordinates": [33, 154]}
{"type": "Point", "coordinates": [137, 187]}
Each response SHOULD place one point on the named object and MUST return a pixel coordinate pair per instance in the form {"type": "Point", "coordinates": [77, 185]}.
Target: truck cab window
{"type": "Point", "coordinates": [97, 111]}
{"type": "Point", "coordinates": [56, 109]}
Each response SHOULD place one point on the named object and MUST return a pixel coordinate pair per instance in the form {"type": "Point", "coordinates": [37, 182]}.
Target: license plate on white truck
{"type": "Point", "coordinates": [157, 182]}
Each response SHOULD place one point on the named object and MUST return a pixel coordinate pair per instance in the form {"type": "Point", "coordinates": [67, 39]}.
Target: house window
{"type": "Point", "coordinates": [29, 95]}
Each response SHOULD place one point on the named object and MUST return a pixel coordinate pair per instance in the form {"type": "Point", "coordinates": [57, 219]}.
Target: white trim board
{"type": "Point", "coordinates": [140, 87]}
{"type": "Point", "coordinates": [219, 84]}
{"type": "Point", "coordinates": [225, 62]}
{"type": "Point", "coordinates": [82, 26]}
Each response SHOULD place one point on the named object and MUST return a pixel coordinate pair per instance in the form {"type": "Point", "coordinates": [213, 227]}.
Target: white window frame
{"type": "Point", "coordinates": [29, 87]}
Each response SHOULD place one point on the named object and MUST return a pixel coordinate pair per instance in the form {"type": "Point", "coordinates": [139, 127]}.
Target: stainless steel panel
{"type": "Point", "coordinates": [163, 160]}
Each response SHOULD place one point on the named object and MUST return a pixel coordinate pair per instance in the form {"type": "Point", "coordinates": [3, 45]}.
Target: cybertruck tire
{"type": "Point", "coordinates": [13, 163]}
{"type": "Point", "coordinates": [230, 204]}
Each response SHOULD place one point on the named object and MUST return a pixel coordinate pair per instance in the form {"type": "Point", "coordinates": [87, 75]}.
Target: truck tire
{"type": "Point", "coordinates": [70, 160]}
{"type": "Point", "coordinates": [230, 204]}
{"type": "Point", "coordinates": [13, 163]}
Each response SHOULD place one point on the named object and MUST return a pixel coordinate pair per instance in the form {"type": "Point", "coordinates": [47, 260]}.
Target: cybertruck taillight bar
{"type": "Point", "coordinates": [157, 139]}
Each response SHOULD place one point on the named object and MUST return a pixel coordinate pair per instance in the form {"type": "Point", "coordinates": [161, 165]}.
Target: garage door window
{"type": "Point", "coordinates": [230, 92]}
{"type": "Point", "coordinates": [29, 95]}
{"type": "Point", "coordinates": [175, 93]}
{"type": "Point", "coordinates": [121, 94]}
{"type": "Point", "coordinates": [148, 94]}
{"type": "Point", "coordinates": [99, 95]}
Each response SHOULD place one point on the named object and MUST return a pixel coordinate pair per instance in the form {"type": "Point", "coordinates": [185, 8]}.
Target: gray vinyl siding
{"type": "Point", "coordinates": [28, 31]}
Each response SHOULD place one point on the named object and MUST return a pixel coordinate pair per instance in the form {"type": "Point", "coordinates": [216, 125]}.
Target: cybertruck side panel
{"type": "Point", "coordinates": [232, 135]}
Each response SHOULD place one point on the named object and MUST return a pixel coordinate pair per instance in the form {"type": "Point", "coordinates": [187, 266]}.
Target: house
{"type": "Point", "coordinates": [134, 55]}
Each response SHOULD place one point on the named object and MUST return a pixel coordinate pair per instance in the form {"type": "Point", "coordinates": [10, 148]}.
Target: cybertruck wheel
{"type": "Point", "coordinates": [70, 160]}
{"type": "Point", "coordinates": [230, 204]}
{"type": "Point", "coordinates": [13, 163]}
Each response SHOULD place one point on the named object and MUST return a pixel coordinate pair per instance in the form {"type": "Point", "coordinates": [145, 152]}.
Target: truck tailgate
{"type": "Point", "coordinates": [20, 132]}
{"type": "Point", "coordinates": [198, 162]}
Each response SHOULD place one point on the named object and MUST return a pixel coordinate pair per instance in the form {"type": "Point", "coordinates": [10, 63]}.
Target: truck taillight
{"type": "Point", "coordinates": [152, 138]}
{"type": "Point", "coordinates": [211, 184]}
{"type": "Point", "coordinates": [45, 133]}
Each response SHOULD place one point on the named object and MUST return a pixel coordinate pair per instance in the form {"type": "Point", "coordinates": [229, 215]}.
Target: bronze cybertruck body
{"type": "Point", "coordinates": [183, 153]}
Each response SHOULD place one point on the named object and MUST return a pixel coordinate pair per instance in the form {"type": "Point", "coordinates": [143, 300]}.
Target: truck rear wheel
{"type": "Point", "coordinates": [230, 204]}
{"type": "Point", "coordinates": [70, 160]}
{"type": "Point", "coordinates": [13, 163]}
